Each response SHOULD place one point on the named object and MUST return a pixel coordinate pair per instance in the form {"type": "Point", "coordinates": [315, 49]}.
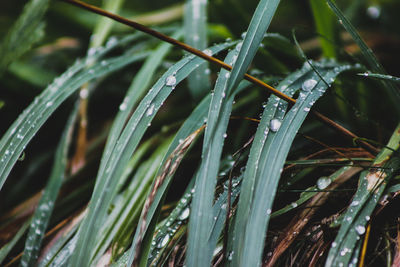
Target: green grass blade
{"type": "Point", "coordinates": [195, 25]}
{"type": "Point", "coordinates": [201, 218]}
{"type": "Point", "coordinates": [255, 33]}
{"type": "Point", "coordinates": [36, 114]}
{"type": "Point", "coordinates": [380, 76]}
{"type": "Point", "coordinates": [268, 153]}
{"type": "Point", "coordinates": [5, 249]}
{"type": "Point", "coordinates": [138, 87]}
{"type": "Point", "coordinates": [191, 124]}
{"type": "Point", "coordinates": [107, 179]}
{"type": "Point", "coordinates": [324, 22]}
{"type": "Point", "coordinates": [371, 187]}
{"type": "Point", "coordinates": [45, 206]}
{"type": "Point", "coordinates": [104, 25]}
{"type": "Point", "coordinates": [27, 30]}
{"type": "Point", "coordinates": [368, 55]}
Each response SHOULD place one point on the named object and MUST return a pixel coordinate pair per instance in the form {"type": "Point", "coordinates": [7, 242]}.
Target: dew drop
{"type": "Point", "coordinates": [360, 229]}
{"type": "Point", "coordinates": [294, 204]}
{"type": "Point", "coordinates": [83, 93]}
{"type": "Point", "coordinates": [355, 203]}
{"type": "Point", "coordinates": [275, 124]}
{"type": "Point", "coordinates": [112, 41]}
{"type": "Point", "coordinates": [123, 106]}
{"type": "Point", "coordinates": [225, 135]}
{"type": "Point", "coordinates": [269, 211]}
{"type": "Point", "coordinates": [239, 46]}
{"type": "Point", "coordinates": [334, 244]}
{"type": "Point", "coordinates": [150, 110]}
{"type": "Point", "coordinates": [163, 242]}
{"type": "Point", "coordinates": [306, 109]}
{"type": "Point", "coordinates": [185, 214]}
{"type": "Point", "coordinates": [170, 81]}
{"type": "Point", "coordinates": [208, 52]}
{"type": "Point", "coordinates": [309, 84]}
{"type": "Point", "coordinates": [323, 182]}
{"type": "Point", "coordinates": [49, 104]}
{"type": "Point", "coordinates": [207, 71]}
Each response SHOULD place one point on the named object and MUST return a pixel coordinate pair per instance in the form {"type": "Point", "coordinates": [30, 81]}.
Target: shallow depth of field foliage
{"type": "Point", "coordinates": [120, 149]}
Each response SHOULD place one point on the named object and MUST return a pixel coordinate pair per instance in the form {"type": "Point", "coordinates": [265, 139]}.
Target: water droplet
{"type": "Point", "coordinates": [306, 109]}
{"type": "Point", "coordinates": [294, 204]}
{"type": "Point", "coordinates": [91, 51]}
{"type": "Point", "coordinates": [225, 135]}
{"type": "Point", "coordinates": [123, 106]}
{"type": "Point", "coordinates": [367, 218]}
{"type": "Point", "coordinates": [111, 41]}
{"type": "Point", "coordinates": [230, 256]}
{"type": "Point", "coordinates": [355, 203]}
{"type": "Point", "coordinates": [150, 110]}
{"type": "Point", "coordinates": [103, 62]}
{"type": "Point", "coordinates": [208, 52]}
{"type": "Point", "coordinates": [309, 84]}
{"type": "Point", "coordinates": [207, 71]}
{"type": "Point", "coordinates": [323, 182]}
{"type": "Point", "coordinates": [374, 12]}
{"type": "Point", "coordinates": [49, 104]}
{"type": "Point", "coordinates": [269, 211]}
{"type": "Point", "coordinates": [84, 93]}
{"type": "Point", "coordinates": [239, 46]}
{"type": "Point", "coordinates": [360, 229]}
{"type": "Point", "coordinates": [334, 244]}
{"type": "Point", "coordinates": [243, 35]}
{"type": "Point", "coordinates": [163, 242]}
{"type": "Point", "coordinates": [227, 74]}
{"type": "Point", "coordinates": [275, 124]}
{"type": "Point", "coordinates": [170, 81]}
{"type": "Point", "coordinates": [185, 214]}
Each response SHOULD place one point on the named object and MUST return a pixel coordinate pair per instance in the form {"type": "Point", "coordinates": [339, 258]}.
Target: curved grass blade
{"type": "Point", "coordinates": [267, 156]}
{"type": "Point", "coordinates": [201, 218]}
{"type": "Point", "coordinates": [27, 30]}
{"type": "Point", "coordinates": [139, 84]}
{"type": "Point", "coordinates": [107, 181]}
{"type": "Point", "coordinates": [368, 55]}
{"type": "Point", "coordinates": [380, 76]}
{"type": "Point", "coordinates": [195, 25]}
{"type": "Point", "coordinates": [258, 26]}
{"type": "Point", "coordinates": [345, 248]}
{"type": "Point", "coordinates": [45, 207]}
{"type": "Point", "coordinates": [5, 249]}
{"type": "Point", "coordinates": [36, 114]}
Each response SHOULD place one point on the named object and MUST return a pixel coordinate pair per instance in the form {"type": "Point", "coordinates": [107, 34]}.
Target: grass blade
{"type": "Point", "coordinates": [273, 138]}
{"type": "Point", "coordinates": [381, 76]}
{"type": "Point", "coordinates": [35, 115]}
{"type": "Point", "coordinates": [324, 22]}
{"type": "Point", "coordinates": [5, 249]}
{"type": "Point", "coordinates": [201, 218]}
{"type": "Point", "coordinates": [255, 33]}
{"type": "Point", "coordinates": [106, 181]}
{"type": "Point", "coordinates": [45, 206]}
{"type": "Point", "coordinates": [368, 55]}
{"type": "Point", "coordinates": [27, 30]}
{"type": "Point", "coordinates": [344, 249]}
{"type": "Point", "coordinates": [195, 24]}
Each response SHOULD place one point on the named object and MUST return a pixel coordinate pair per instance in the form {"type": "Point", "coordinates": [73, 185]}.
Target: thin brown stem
{"type": "Point", "coordinates": [220, 63]}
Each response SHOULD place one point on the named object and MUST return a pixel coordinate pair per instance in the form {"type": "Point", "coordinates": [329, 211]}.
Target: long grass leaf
{"type": "Point", "coordinates": [107, 179]}
{"type": "Point", "coordinates": [195, 24]}
{"type": "Point", "coordinates": [45, 206]}
{"type": "Point", "coordinates": [36, 114]}
{"type": "Point", "coordinates": [368, 55]}
{"type": "Point", "coordinates": [27, 30]}
{"type": "Point", "coordinates": [381, 76]}
{"type": "Point", "coordinates": [344, 249]}
{"type": "Point", "coordinates": [270, 147]}
{"type": "Point", "coordinates": [325, 24]}
{"type": "Point", "coordinates": [201, 218]}
{"type": "Point", "coordinates": [255, 33]}
{"type": "Point", "coordinates": [5, 249]}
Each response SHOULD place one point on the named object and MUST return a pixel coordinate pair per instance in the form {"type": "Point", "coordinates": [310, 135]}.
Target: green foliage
{"type": "Point", "coordinates": [185, 162]}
